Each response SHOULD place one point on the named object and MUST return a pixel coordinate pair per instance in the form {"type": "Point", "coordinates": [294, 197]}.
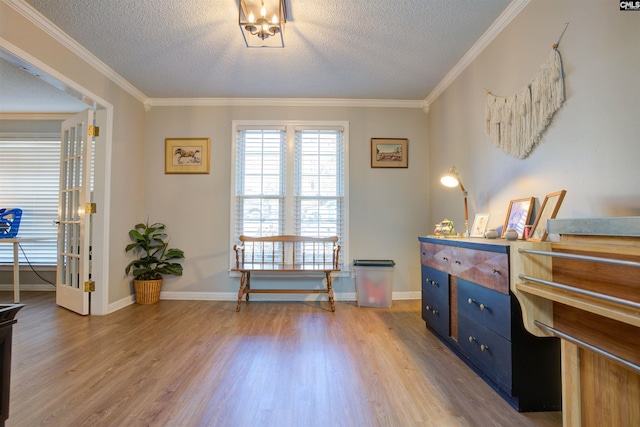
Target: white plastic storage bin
{"type": "Point", "coordinates": [374, 282]}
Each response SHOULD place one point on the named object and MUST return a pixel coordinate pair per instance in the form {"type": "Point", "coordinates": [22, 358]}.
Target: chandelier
{"type": "Point", "coordinates": [262, 31]}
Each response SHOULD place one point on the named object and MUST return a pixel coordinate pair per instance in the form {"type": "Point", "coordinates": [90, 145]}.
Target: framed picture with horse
{"type": "Point", "coordinates": [186, 155]}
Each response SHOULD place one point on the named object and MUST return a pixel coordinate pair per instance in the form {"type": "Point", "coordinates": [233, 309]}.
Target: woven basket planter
{"type": "Point", "coordinates": [147, 291]}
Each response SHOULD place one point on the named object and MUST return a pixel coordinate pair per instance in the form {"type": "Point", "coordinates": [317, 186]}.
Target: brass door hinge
{"type": "Point", "coordinates": [90, 286]}
{"type": "Point", "coordinates": [94, 131]}
{"type": "Point", "coordinates": [90, 208]}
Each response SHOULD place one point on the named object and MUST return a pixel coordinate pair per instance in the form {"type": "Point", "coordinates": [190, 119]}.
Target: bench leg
{"type": "Point", "coordinates": [330, 291]}
{"type": "Point", "coordinates": [247, 286]}
{"type": "Point", "coordinates": [244, 282]}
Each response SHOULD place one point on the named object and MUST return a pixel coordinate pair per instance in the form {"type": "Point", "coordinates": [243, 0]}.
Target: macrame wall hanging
{"type": "Point", "coordinates": [516, 123]}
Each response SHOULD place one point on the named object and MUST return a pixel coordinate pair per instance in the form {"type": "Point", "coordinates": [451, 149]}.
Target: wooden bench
{"type": "Point", "coordinates": [286, 254]}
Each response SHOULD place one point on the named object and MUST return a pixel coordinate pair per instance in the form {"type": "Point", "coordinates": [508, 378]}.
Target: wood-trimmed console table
{"type": "Point", "coordinates": [296, 255]}
{"type": "Point", "coordinates": [467, 303]}
{"type": "Point", "coordinates": [585, 289]}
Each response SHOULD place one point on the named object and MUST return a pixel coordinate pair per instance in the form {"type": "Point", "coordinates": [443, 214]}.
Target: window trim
{"type": "Point", "coordinates": [290, 127]}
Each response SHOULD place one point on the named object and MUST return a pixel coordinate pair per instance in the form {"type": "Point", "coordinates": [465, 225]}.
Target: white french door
{"type": "Point", "coordinates": [74, 222]}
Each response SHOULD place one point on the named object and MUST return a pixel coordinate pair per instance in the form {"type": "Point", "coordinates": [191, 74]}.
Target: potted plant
{"type": "Point", "coordinates": [155, 259]}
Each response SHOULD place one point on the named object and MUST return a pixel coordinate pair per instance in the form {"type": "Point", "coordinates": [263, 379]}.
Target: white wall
{"type": "Point", "coordinates": [592, 147]}
{"type": "Point", "coordinates": [387, 206]}
{"type": "Point", "coordinates": [31, 43]}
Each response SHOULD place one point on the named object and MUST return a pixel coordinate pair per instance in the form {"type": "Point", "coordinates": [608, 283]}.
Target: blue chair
{"type": "Point", "coordinates": [9, 222]}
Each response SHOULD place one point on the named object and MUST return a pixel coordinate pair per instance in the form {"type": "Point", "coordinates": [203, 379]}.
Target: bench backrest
{"type": "Point", "coordinates": [288, 250]}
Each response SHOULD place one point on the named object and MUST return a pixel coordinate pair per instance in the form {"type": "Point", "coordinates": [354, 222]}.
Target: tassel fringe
{"type": "Point", "coordinates": [515, 124]}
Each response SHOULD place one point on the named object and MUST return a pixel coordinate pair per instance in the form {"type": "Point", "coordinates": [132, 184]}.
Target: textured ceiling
{"type": "Point", "coordinates": [23, 90]}
{"type": "Point", "coordinates": [353, 49]}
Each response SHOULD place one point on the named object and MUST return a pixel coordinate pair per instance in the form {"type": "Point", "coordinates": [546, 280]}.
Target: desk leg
{"type": "Point", "coordinates": [330, 291]}
{"type": "Point", "coordinates": [16, 273]}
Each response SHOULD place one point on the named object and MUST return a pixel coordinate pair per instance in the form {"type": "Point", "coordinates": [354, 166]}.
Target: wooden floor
{"type": "Point", "coordinates": [199, 363]}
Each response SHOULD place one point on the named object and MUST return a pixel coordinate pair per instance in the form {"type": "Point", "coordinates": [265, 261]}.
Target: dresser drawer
{"type": "Point", "coordinates": [436, 284]}
{"type": "Point", "coordinates": [488, 350]}
{"type": "Point", "coordinates": [486, 307]}
{"type": "Point", "coordinates": [435, 299]}
{"type": "Point", "coordinates": [486, 268]}
{"type": "Point", "coordinates": [436, 314]}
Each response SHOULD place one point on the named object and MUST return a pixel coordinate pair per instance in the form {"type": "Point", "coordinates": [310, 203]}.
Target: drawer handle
{"type": "Point", "coordinates": [431, 309]}
{"type": "Point", "coordinates": [434, 283]}
{"type": "Point", "coordinates": [482, 346]}
{"type": "Point", "coordinates": [495, 271]}
{"type": "Point", "coordinates": [445, 258]}
{"type": "Point", "coordinates": [482, 306]}
{"type": "Point", "coordinates": [457, 262]}
{"type": "Point", "coordinates": [435, 312]}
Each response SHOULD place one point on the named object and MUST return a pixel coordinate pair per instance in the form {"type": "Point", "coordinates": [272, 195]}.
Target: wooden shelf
{"type": "Point", "coordinates": [592, 305]}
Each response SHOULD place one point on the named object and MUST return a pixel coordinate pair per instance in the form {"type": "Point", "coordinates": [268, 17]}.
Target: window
{"type": "Point", "coordinates": [29, 180]}
{"type": "Point", "coordinates": [290, 178]}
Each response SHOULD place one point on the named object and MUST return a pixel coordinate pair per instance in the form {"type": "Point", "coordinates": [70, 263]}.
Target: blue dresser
{"type": "Point", "coordinates": [467, 303]}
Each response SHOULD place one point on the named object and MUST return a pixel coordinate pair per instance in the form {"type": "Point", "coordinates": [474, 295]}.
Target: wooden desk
{"type": "Point", "coordinates": [16, 261]}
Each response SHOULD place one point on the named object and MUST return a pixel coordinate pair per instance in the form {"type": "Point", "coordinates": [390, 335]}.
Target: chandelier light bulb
{"type": "Point", "coordinates": [261, 27]}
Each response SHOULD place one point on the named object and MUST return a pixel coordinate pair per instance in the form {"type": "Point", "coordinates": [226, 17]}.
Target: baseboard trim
{"type": "Point", "coordinates": [233, 296]}
{"type": "Point", "coordinates": [27, 287]}
{"type": "Point", "coordinates": [221, 296]}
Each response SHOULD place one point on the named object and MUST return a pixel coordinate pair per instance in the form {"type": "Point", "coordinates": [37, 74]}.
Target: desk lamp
{"type": "Point", "coordinates": [452, 179]}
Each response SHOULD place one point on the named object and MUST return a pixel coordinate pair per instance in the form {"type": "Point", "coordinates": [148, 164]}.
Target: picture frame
{"type": "Point", "coordinates": [548, 210]}
{"type": "Point", "coordinates": [389, 152]}
{"type": "Point", "coordinates": [518, 216]}
{"type": "Point", "coordinates": [479, 225]}
{"type": "Point", "coordinates": [186, 155]}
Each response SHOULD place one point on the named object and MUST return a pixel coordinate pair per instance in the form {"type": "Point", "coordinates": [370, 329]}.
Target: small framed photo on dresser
{"type": "Point", "coordinates": [548, 210]}
{"type": "Point", "coordinates": [479, 225]}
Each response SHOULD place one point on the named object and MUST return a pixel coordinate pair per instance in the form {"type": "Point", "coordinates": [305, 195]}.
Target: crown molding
{"type": "Point", "coordinates": [36, 116]}
{"type": "Point", "coordinates": [514, 8]}
{"type": "Point", "coordinates": [57, 34]}
{"type": "Point", "coordinates": [284, 102]}
{"type": "Point", "coordinates": [60, 36]}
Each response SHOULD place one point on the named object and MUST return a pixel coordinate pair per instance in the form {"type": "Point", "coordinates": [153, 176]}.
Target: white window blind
{"type": "Point", "coordinates": [290, 180]}
{"type": "Point", "coordinates": [29, 180]}
{"type": "Point", "coordinates": [319, 188]}
{"type": "Point", "coordinates": [260, 182]}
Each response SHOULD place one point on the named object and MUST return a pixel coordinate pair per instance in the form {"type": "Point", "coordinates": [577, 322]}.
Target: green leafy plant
{"type": "Point", "coordinates": [155, 258]}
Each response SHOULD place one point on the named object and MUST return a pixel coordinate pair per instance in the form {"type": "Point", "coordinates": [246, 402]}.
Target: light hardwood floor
{"type": "Point", "coordinates": [199, 363]}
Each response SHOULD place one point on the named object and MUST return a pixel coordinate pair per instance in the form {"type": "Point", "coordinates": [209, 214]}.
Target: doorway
{"type": "Point", "coordinates": [103, 118]}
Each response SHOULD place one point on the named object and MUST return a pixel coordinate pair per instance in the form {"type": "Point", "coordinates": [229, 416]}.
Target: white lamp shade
{"type": "Point", "coordinates": [449, 181]}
